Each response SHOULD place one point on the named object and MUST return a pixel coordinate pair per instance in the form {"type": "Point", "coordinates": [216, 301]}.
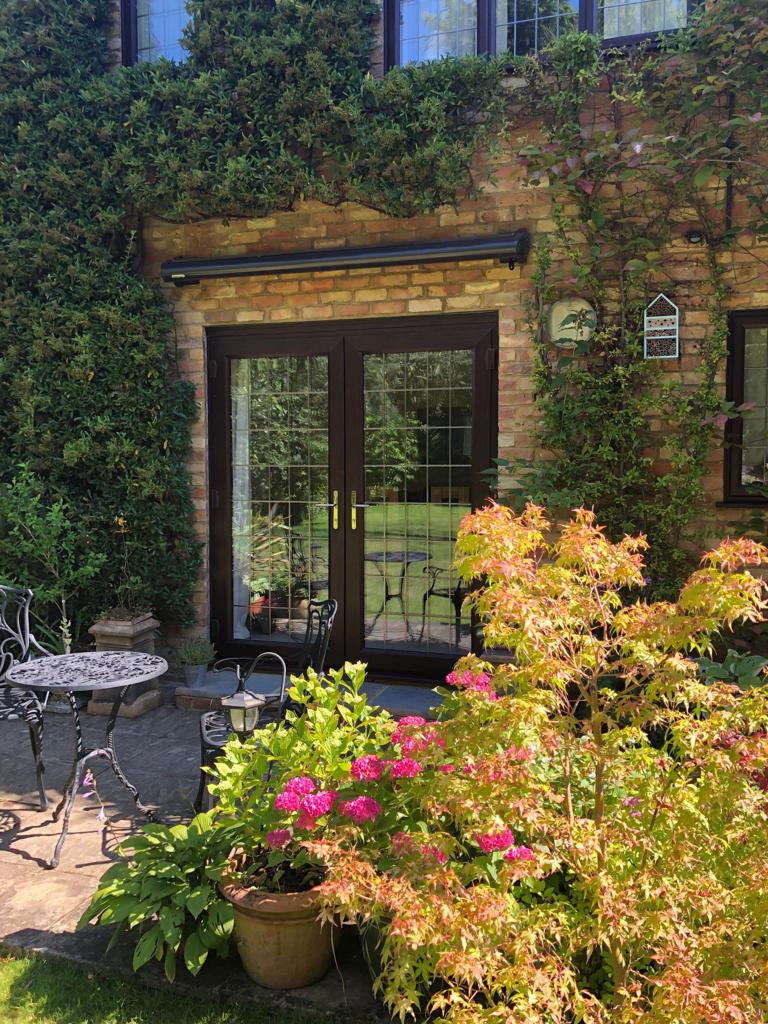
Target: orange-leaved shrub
{"type": "Point", "coordinates": [582, 836]}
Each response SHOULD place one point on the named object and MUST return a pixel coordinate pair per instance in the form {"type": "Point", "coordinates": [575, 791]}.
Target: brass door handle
{"type": "Point", "coordinates": [331, 504]}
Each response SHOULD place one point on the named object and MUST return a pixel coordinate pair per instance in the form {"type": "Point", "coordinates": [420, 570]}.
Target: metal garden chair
{"type": "Point", "coordinates": [17, 644]}
{"type": "Point", "coordinates": [215, 728]}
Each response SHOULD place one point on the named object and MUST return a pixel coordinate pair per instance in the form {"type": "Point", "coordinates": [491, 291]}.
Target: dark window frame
{"type": "Point", "coordinates": [486, 28]}
{"type": "Point", "coordinates": [129, 43]}
{"type": "Point", "coordinates": [734, 491]}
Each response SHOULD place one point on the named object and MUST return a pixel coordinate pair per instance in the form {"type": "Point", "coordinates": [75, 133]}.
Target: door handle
{"type": "Point", "coordinates": [331, 504]}
{"type": "Point", "coordinates": [354, 505]}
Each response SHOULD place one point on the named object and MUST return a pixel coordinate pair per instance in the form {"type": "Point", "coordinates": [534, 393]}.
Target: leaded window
{"type": "Point", "coordinates": [746, 470]}
{"type": "Point", "coordinates": [152, 29]}
{"type": "Point", "coordinates": [527, 26]}
{"type": "Point", "coordinates": [430, 29]}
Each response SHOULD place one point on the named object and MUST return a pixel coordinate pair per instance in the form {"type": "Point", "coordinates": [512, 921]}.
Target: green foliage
{"type": "Point", "coordinates": [533, 863]}
{"type": "Point", "coordinates": [637, 147]}
{"type": "Point", "coordinates": [41, 547]}
{"type": "Point", "coordinates": [167, 888]}
{"type": "Point", "coordinates": [743, 670]}
{"type": "Point", "coordinates": [196, 651]}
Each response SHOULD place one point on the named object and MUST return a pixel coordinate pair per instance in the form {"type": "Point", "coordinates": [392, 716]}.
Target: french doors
{"type": "Point", "coordinates": [342, 460]}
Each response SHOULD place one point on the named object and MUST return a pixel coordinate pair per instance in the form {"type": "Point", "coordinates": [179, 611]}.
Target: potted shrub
{"type": "Point", "coordinates": [196, 654]}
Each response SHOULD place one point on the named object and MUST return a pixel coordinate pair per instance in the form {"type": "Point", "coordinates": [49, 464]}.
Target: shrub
{"type": "Point", "coordinates": [581, 837]}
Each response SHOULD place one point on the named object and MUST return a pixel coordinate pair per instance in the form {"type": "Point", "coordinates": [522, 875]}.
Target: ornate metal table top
{"type": "Point", "coordinates": [91, 670]}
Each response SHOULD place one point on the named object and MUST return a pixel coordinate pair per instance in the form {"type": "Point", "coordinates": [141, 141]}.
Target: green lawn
{"type": "Point", "coordinates": [34, 991]}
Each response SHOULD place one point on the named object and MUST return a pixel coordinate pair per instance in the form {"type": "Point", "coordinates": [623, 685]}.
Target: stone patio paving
{"type": "Point", "coordinates": [159, 753]}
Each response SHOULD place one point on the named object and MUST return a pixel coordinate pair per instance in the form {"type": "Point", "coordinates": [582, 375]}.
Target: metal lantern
{"type": "Point", "coordinates": [243, 709]}
{"type": "Point", "coordinates": [661, 334]}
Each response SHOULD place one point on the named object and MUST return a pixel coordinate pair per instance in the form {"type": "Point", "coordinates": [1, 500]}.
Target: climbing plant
{"type": "Point", "coordinates": [636, 148]}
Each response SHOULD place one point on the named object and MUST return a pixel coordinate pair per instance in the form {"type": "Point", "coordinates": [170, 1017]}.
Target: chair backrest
{"type": "Point", "coordinates": [320, 617]}
{"type": "Point", "coordinates": [14, 626]}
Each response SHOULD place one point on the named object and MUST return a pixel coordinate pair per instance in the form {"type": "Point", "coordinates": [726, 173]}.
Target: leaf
{"type": "Point", "coordinates": [702, 176]}
{"type": "Point", "coordinates": [147, 947]}
{"type": "Point", "coordinates": [197, 900]}
{"type": "Point", "coordinates": [195, 953]}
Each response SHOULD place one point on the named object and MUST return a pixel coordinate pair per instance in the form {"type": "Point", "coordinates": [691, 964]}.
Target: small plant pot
{"type": "Point", "coordinates": [281, 942]}
{"type": "Point", "coordinates": [195, 675]}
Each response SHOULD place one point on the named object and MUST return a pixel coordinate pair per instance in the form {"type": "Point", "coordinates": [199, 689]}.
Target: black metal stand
{"type": "Point", "coordinates": [82, 756]}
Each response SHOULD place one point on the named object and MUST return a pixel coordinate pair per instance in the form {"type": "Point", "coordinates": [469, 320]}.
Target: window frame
{"type": "Point", "coordinates": [486, 28]}
{"type": "Point", "coordinates": [129, 32]}
{"type": "Point", "coordinates": [734, 492]}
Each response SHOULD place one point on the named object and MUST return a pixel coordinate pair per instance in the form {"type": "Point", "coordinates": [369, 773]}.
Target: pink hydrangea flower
{"type": "Point", "coordinates": [287, 801]}
{"type": "Point", "coordinates": [278, 838]}
{"type": "Point", "coordinates": [481, 683]}
{"type": "Point", "coordinates": [370, 767]}
{"type": "Point", "coordinates": [446, 768]}
{"type": "Point", "coordinates": [317, 804]}
{"type": "Point", "coordinates": [361, 809]}
{"type": "Point", "coordinates": [306, 821]}
{"type": "Point", "coordinates": [490, 841]}
{"type": "Point", "coordinates": [301, 785]}
{"type": "Point", "coordinates": [405, 768]}
{"type": "Point", "coordinates": [402, 843]}
{"type": "Point", "coordinates": [519, 853]}
{"type": "Point", "coordinates": [411, 720]}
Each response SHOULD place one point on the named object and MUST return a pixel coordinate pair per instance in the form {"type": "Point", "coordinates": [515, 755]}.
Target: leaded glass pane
{"type": "Point", "coordinates": [418, 447]}
{"type": "Point", "coordinates": [430, 29]}
{"type": "Point", "coordinates": [755, 423]}
{"type": "Point", "coordinates": [279, 410]}
{"type": "Point", "coordinates": [527, 26]}
{"type": "Point", "coordinates": [617, 18]}
{"type": "Point", "coordinates": [159, 27]}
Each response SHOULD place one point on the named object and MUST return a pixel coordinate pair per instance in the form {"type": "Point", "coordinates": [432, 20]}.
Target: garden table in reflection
{"type": "Point", "coordinates": [381, 559]}
{"type": "Point", "coordinates": [96, 671]}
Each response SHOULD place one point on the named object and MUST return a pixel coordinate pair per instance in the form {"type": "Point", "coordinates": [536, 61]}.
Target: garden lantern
{"type": "Point", "coordinates": [243, 709]}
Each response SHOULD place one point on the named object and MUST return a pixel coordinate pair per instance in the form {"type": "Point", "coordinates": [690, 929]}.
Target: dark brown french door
{"type": "Point", "coordinates": [342, 460]}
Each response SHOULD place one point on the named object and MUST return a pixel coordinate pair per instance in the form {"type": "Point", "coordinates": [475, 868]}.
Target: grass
{"type": "Point", "coordinates": [34, 991]}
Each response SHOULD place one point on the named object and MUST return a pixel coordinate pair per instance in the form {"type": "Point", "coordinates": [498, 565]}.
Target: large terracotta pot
{"type": "Point", "coordinates": [281, 942]}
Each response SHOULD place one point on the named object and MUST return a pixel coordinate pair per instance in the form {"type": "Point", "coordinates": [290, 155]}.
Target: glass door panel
{"type": "Point", "coordinates": [417, 452]}
{"type": "Point", "coordinates": [280, 480]}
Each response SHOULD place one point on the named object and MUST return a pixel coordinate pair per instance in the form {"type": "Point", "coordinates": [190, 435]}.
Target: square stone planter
{"type": "Point", "coordinates": [136, 634]}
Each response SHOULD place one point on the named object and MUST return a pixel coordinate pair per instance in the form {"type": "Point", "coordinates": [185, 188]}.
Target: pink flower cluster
{"type": "Point", "coordinates": [361, 809]}
{"type": "Point", "coordinates": [519, 853]}
{"type": "Point", "coordinates": [278, 838]}
{"type": "Point", "coordinates": [491, 841]}
{"type": "Point", "coordinates": [405, 768]}
{"type": "Point", "coordinates": [368, 768]}
{"type": "Point", "coordinates": [413, 735]}
{"type": "Point", "coordinates": [301, 794]}
{"type": "Point", "coordinates": [480, 683]}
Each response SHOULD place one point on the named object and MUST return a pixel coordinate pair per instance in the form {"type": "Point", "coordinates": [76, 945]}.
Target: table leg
{"type": "Point", "coordinates": [69, 799]}
{"type": "Point", "coordinates": [110, 754]}
{"type": "Point", "coordinates": [79, 753]}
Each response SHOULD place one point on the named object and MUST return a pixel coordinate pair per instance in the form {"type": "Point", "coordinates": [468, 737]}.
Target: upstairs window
{"type": "Point", "coordinates": [746, 453]}
{"type": "Point", "coordinates": [153, 29]}
{"type": "Point", "coordinates": [420, 30]}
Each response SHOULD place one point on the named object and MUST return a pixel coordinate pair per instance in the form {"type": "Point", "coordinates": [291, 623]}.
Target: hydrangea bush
{"type": "Point", "coordinates": [582, 836]}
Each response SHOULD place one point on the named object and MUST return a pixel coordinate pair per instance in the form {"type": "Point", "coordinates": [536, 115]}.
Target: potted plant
{"type": "Point", "coordinates": [195, 655]}
{"type": "Point", "coordinates": [272, 880]}
{"type": "Point", "coordinates": [129, 625]}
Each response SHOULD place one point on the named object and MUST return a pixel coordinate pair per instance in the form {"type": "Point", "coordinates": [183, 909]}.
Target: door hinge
{"type": "Point", "coordinates": [490, 359]}
{"type": "Point", "coordinates": [213, 368]}
{"type": "Point", "coordinates": [214, 499]}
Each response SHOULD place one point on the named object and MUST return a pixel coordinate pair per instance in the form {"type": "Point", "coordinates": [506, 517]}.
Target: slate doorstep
{"type": "Point", "coordinates": [344, 994]}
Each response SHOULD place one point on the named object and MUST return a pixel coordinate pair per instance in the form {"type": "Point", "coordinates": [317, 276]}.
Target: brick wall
{"type": "Point", "coordinates": [443, 288]}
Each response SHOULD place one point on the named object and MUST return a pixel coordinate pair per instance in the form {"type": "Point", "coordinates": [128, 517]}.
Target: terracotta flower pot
{"type": "Point", "coordinates": [281, 942]}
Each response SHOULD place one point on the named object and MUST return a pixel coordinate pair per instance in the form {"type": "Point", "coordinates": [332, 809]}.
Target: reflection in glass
{"type": "Point", "coordinates": [279, 411]}
{"type": "Point", "coordinates": [617, 18]}
{"type": "Point", "coordinates": [430, 29]}
{"type": "Point", "coordinates": [755, 422]}
{"type": "Point", "coordinates": [527, 26]}
{"type": "Point", "coordinates": [418, 447]}
{"type": "Point", "coordinates": [160, 25]}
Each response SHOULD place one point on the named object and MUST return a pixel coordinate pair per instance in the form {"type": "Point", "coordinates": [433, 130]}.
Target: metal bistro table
{"type": "Point", "coordinates": [381, 559]}
{"type": "Point", "coordinates": [97, 671]}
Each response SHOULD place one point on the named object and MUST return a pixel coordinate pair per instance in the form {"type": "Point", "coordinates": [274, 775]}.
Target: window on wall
{"type": "Point", "coordinates": [153, 29]}
{"type": "Point", "coordinates": [746, 468]}
{"type": "Point", "coordinates": [420, 30]}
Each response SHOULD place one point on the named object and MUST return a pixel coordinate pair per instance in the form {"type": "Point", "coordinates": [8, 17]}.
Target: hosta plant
{"type": "Point", "coordinates": [582, 836]}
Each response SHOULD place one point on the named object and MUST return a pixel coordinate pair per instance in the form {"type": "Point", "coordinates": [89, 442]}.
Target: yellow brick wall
{"type": "Point", "coordinates": [429, 290]}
